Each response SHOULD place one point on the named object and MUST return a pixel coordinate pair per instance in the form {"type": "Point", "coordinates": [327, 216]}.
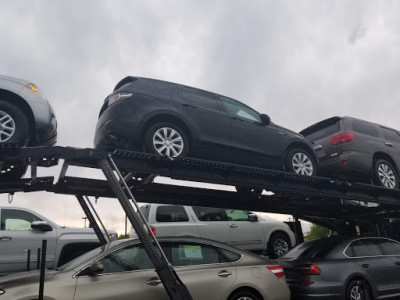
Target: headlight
{"type": "Point", "coordinates": [2, 292]}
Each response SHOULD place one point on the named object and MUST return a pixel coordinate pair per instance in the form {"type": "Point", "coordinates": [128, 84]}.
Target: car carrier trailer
{"type": "Point", "coordinates": [339, 205]}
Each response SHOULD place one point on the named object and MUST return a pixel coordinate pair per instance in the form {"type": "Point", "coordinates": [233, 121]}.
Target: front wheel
{"type": "Point", "coordinates": [385, 174]}
{"type": "Point", "coordinates": [166, 139]}
{"type": "Point", "coordinates": [14, 125]}
{"type": "Point", "coordinates": [300, 162]}
{"type": "Point", "coordinates": [358, 290]}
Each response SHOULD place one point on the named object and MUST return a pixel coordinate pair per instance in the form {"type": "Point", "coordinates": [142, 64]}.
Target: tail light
{"type": "Point", "coordinates": [277, 270]}
{"type": "Point", "coordinates": [342, 139]}
{"type": "Point", "coordinates": [309, 270]}
{"type": "Point", "coordinates": [118, 96]}
{"type": "Point", "coordinates": [153, 230]}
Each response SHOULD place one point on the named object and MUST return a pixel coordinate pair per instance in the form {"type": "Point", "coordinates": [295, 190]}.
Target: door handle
{"type": "Point", "coordinates": [388, 144]}
{"type": "Point", "coordinates": [5, 238]}
{"type": "Point", "coordinates": [237, 119]}
{"type": "Point", "coordinates": [397, 263]}
{"type": "Point", "coordinates": [224, 273]}
{"type": "Point", "coordinates": [233, 226]}
{"type": "Point", "coordinates": [153, 281]}
{"type": "Point", "coordinates": [365, 265]}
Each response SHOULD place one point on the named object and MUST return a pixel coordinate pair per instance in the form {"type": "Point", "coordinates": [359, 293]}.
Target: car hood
{"type": "Point", "coordinates": [14, 79]}
{"type": "Point", "coordinates": [24, 278]}
{"type": "Point", "coordinates": [290, 131]}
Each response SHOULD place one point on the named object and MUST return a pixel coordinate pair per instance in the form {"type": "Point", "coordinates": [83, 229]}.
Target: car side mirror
{"type": "Point", "coordinates": [41, 225]}
{"type": "Point", "coordinates": [253, 217]}
{"type": "Point", "coordinates": [265, 119]}
{"type": "Point", "coordinates": [94, 268]}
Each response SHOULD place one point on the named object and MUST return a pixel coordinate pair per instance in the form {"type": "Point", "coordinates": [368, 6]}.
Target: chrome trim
{"type": "Point", "coordinates": [369, 238]}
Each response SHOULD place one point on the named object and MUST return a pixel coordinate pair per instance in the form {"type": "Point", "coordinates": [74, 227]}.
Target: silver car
{"type": "Point", "coordinates": [122, 270]}
{"type": "Point", "coordinates": [26, 118]}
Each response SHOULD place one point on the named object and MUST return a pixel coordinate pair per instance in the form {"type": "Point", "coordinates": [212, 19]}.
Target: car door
{"type": "Point", "coordinates": [392, 143]}
{"type": "Point", "coordinates": [391, 250]}
{"type": "Point", "coordinates": [210, 124]}
{"type": "Point", "coordinates": [244, 233]}
{"type": "Point", "coordinates": [128, 273]}
{"type": "Point", "coordinates": [369, 260]}
{"type": "Point", "coordinates": [201, 268]}
{"type": "Point", "coordinates": [256, 142]}
{"type": "Point", "coordinates": [213, 223]}
{"type": "Point", "coordinates": [17, 237]}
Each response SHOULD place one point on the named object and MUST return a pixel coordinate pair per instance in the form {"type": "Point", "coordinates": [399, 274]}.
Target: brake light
{"type": "Point", "coordinates": [153, 230]}
{"type": "Point", "coordinates": [277, 270]}
{"type": "Point", "coordinates": [118, 96]}
{"type": "Point", "coordinates": [309, 270]}
{"type": "Point", "coordinates": [342, 138]}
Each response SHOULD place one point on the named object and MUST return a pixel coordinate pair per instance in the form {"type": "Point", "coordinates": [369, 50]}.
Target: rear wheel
{"type": "Point", "coordinates": [166, 139]}
{"type": "Point", "coordinates": [278, 246]}
{"type": "Point", "coordinates": [385, 174]}
{"type": "Point", "coordinates": [244, 295]}
{"type": "Point", "coordinates": [300, 162]}
{"type": "Point", "coordinates": [358, 290]}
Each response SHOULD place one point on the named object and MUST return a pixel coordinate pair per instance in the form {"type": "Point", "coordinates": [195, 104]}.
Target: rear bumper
{"type": "Point", "coordinates": [346, 164]}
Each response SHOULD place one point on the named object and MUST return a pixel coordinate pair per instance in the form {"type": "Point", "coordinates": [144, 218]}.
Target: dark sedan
{"type": "Point", "coordinates": [357, 268]}
{"type": "Point", "coordinates": [175, 120]}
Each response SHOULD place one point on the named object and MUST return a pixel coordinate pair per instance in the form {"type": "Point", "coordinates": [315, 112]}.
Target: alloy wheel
{"type": "Point", "coordinates": [7, 126]}
{"type": "Point", "coordinates": [386, 176]}
{"type": "Point", "coordinates": [355, 292]}
{"type": "Point", "coordinates": [302, 164]}
{"type": "Point", "coordinates": [245, 298]}
{"type": "Point", "coordinates": [167, 141]}
{"type": "Point", "coordinates": [280, 247]}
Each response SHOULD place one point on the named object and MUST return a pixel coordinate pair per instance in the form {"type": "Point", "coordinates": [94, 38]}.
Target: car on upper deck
{"type": "Point", "coordinates": [355, 149]}
{"type": "Point", "coordinates": [26, 118]}
{"type": "Point", "coordinates": [175, 120]}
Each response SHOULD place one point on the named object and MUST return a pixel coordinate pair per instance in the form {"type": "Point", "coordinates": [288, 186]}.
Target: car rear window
{"type": "Point", "coordinates": [317, 248]}
{"type": "Point", "coordinates": [365, 128]}
{"type": "Point", "coordinates": [322, 129]}
{"type": "Point", "coordinates": [171, 213]}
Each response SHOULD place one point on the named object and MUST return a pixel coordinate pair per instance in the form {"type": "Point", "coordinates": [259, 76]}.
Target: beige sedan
{"type": "Point", "coordinates": [123, 270]}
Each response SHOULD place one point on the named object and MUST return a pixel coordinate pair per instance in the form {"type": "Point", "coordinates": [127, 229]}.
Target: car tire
{"type": "Point", "coordinates": [300, 162]}
{"type": "Point", "coordinates": [278, 245]}
{"type": "Point", "coordinates": [358, 290]}
{"type": "Point", "coordinates": [14, 125]}
{"type": "Point", "coordinates": [244, 295]}
{"type": "Point", "coordinates": [166, 139]}
{"type": "Point", "coordinates": [385, 174]}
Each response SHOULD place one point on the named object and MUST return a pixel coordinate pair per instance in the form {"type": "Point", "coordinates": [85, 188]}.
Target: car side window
{"type": "Point", "coordinates": [239, 110]}
{"type": "Point", "coordinates": [209, 214]}
{"type": "Point", "coordinates": [199, 98]}
{"type": "Point", "coordinates": [363, 248]}
{"type": "Point", "coordinates": [130, 258]}
{"type": "Point", "coordinates": [389, 247]}
{"type": "Point", "coordinates": [390, 135]}
{"type": "Point", "coordinates": [365, 128]}
{"type": "Point", "coordinates": [189, 253]}
{"type": "Point", "coordinates": [237, 215]}
{"type": "Point", "coordinates": [171, 213]}
{"type": "Point", "coordinates": [12, 219]}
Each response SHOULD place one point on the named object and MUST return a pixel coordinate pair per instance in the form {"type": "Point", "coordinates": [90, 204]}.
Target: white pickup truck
{"type": "Point", "coordinates": [22, 230]}
{"type": "Point", "coordinates": [239, 228]}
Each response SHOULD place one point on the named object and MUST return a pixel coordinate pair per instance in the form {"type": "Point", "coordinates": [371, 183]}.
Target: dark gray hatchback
{"type": "Point", "coordinates": [175, 120]}
{"type": "Point", "coordinates": [352, 268]}
{"type": "Point", "coordinates": [355, 149]}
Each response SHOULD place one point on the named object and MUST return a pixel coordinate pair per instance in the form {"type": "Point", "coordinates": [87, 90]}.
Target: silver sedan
{"type": "Point", "coordinates": [122, 270]}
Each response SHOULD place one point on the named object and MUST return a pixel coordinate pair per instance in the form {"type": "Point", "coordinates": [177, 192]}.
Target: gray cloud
{"type": "Point", "coordinates": [298, 61]}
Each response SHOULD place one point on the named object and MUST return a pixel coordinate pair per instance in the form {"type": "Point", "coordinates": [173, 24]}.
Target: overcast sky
{"type": "Point", "coordinates": [297, 61]}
